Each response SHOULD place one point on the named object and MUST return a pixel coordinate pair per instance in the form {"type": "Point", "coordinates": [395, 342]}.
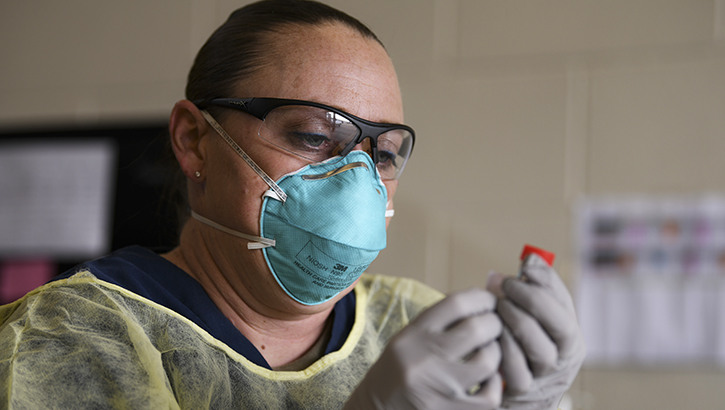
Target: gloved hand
{"type": "Point", "coordinates": [439, 360]}
{"type": "Point", "coordinates": [541, 343]}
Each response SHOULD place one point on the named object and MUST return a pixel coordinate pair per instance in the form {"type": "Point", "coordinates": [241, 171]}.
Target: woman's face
{"type": "Point", "coordinates": [329, 64]}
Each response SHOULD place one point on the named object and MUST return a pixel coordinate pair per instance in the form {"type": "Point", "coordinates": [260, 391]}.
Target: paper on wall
{"type": "Point", "coordinates": [56, 197]}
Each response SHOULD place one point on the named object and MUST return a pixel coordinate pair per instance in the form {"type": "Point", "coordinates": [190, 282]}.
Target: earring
{"type": "Point", "coordinates": [197, 174]}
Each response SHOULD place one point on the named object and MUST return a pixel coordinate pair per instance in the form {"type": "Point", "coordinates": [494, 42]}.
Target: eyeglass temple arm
{"type": "Point", "coordinates": [233, 103]}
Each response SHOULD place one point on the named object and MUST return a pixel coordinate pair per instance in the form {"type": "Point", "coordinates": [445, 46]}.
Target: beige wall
{"type": "Point", "coordinates": [520, 107]}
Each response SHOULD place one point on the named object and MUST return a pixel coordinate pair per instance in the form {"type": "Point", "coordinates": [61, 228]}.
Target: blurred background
{"type": "Point", "coordinates": [592, 128]}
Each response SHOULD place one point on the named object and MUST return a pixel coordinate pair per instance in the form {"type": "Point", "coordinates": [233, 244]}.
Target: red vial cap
{"type": "Point", "coordinates": [545, 255]}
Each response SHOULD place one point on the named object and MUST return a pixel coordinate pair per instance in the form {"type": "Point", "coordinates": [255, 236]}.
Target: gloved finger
{"type": "Point", "coordinates": [455, 307]}
{"type": "Point", "coordinates": [489, 396]}
{"type": "Point", "coordinates": [536, 270]}
{"type": "Point", "coordinates": [479, 372]}
{"type": "Point", "coordinates": [486, 362]}
{"type": "Point", "coordinates": [453, 381]}
{"type": "Point", "coordinates": [494, 282]}
{"type": "Point", "coordinates": [540, 350]}
{"type": "Point", "coordinates": [514, 367]}
{"type": "Point", "coordinates": [557, 320]}
{"type": "Point", "coordinates": [467, 335]}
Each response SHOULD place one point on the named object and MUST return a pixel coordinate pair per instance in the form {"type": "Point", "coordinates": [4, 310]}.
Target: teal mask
{"type": "Point", "coordinates": [330, 228]}
{"type": "Point", "coordinates": [321, 226]}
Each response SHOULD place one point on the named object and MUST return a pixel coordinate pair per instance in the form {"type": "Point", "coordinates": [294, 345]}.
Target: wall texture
{"type": "Point", "coordinates": [521, 107]}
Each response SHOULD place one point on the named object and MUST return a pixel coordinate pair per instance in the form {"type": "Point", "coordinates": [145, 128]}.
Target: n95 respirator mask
{"type": "Point", "coordinates": [329, 230]}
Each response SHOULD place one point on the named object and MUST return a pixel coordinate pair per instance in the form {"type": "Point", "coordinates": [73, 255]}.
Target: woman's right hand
{"type": "Point", "coordinates": [447, 358]}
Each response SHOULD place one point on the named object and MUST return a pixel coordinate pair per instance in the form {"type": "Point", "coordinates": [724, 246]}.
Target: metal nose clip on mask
{"type": "Point", "coordinates": [321, 226]}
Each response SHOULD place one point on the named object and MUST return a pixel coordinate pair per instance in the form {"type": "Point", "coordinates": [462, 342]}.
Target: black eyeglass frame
{"type": "Point", "coordinates": [259, 107]}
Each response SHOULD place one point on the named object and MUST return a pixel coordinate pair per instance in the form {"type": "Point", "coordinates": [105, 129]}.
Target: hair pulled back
{"type": "Point", "coordinates": [238, 47]}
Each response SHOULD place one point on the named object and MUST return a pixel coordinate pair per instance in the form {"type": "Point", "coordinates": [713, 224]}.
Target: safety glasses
{"type": "Point", "coordinates": [318, 132]}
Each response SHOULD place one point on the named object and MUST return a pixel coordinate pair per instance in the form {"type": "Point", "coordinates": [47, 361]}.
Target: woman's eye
{"type": "Point", "coordinates": [386, 159]}
{"type": "Point", "coordinates": [310, 139]}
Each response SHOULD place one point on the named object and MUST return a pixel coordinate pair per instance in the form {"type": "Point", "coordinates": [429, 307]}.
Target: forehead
{"type": "Point", "coordinates": [331, 64]}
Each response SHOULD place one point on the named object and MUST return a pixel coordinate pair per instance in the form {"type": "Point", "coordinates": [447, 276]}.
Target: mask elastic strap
{"type": "Point", "coordinates": [389, 212]}
{"type": "Point", "coordinates": [271, 194]}
{"type": "Point", "coordinates": [257, 241]}
{"type": "Point", "coordinates": [218, 128]}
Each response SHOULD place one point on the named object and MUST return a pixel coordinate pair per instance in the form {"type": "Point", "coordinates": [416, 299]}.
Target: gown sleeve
{"type": "Point", "coordinates": [76, 347]}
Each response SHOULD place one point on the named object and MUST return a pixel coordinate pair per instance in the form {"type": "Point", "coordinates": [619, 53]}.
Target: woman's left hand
{"type": "Point", "coordinates": [541, 344]}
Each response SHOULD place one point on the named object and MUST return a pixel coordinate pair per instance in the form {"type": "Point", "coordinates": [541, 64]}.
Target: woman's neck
{"type": "Point", "coordinates": [282, 330]}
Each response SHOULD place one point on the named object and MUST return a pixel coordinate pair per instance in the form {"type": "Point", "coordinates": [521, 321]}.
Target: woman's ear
{"type": "Point", "coordinates": [186, 127]}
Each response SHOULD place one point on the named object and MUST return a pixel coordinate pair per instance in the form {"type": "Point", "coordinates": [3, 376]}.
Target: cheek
{"type": "Point", "coordinates": [233, 195]}
{"type": "Point", "coordinates": [233, 191]}
{"type": "Point", "coordinates": [391, 186]}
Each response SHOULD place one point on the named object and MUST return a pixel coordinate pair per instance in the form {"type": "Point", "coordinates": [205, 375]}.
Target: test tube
{"type": "Point", "coordinates": [547, 256]}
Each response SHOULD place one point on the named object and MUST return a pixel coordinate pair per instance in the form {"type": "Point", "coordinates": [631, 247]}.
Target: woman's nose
{"type": "Point", "coordinates": [365, 146]}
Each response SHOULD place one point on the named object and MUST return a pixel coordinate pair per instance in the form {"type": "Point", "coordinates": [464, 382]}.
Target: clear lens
{"type": "Point", "coordinates": [317, 134]}
{"type": "Point", "coordinates": [393, 151]}
{"type": "Point", "coordinates": [310, 132]}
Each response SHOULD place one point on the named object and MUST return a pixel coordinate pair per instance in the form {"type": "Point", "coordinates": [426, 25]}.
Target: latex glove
{"type": "Point", "coordinates": [435, 361]}
{"type": "Point", "coordinates": [541, 343]}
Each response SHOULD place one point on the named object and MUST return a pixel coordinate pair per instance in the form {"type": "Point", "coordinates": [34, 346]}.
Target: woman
{"type": "Point", "coordinates": [291, 141]}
